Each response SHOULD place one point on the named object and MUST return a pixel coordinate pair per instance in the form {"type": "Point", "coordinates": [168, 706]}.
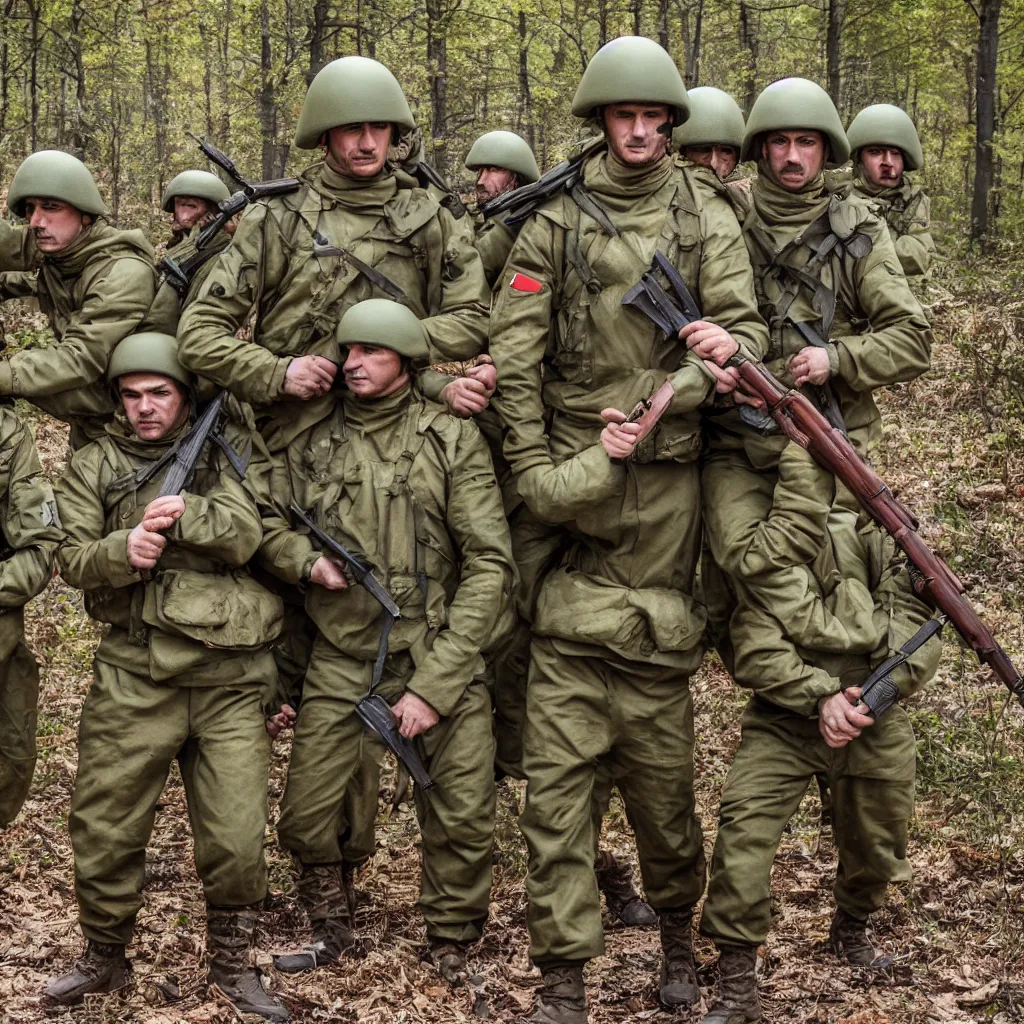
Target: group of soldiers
{"type": "Point", "coordinates": [559, 577]}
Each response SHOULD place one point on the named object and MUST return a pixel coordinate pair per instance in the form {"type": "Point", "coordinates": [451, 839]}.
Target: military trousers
{"type": "Point", "coordinates": [456, 818]}
{"type": "Point", "coordinates": [130, 731]}
{"type": "Point", "coordinates": [872, 785]}
{"type": "Point", "coordinates": [592, 716]}
{"type": "Point", "coordinates": [359, 815]}
{"type": "Point", "coordinates": [19, 697]}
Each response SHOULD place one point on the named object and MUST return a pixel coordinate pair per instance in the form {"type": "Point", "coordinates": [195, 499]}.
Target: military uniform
{"type": "Point", "coordinates": [617, 632]}
{"type": "Point", "coordinates": [180, 675]}
{"type": "Point", "coordinates": [31, 533]}
{"type": "Point", "coordinates": [905, 207]}
{"type": "Point", "coordinates": [820, 603]}
{"type": "Point", "coordinates": [791, 584]}
{"type": "Point", "coordinates": [94, 293]}
{"type": "Point", "coordinates": [412, 488]}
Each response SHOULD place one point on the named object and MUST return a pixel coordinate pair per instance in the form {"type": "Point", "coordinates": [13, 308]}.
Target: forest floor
{"type": "Point", "coordinates": [953, 450]}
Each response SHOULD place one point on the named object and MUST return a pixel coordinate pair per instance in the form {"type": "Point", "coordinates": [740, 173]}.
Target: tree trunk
{"type": "Point", "coordinates": [988, 53]}
{"type": "Point", "coordinates": [749, 41]}
{"type": "Point", "coordinates": [78, 129]}
{"type": "Point", "coordinates": [834, 49]}
{"type": "Point", "coordinates": [663, 23]}
{"type": "Point", "coordinates": [317, 27]}
{"type": "Point", "coordinates": [437, 68]}
{"type": "Point", "coordinates": [266, 95]}
{"type": "Point", "coordinates": [33, 73]}
{"type": "Point", "coordinates": [692, 72]}
{"type": "Point", "coordinates": [525, 120]}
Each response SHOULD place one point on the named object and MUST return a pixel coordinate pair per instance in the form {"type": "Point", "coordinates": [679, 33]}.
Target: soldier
{"type": "Point", "coordinates": [358, 226]}
{"type": "Point", "coordinates": [31, 533]}
{"type": "Point", "coordinates": [191, 198]}
{"type": "Point", "coordinates": [617, 632]}
{"type": "Point", "coordinates": [282, 275]}
{"type": "Point", "coordinates": [712, 135]}
{"type": "Point", "coordinates": [825, 270]}
{"type": "Point", "coordinates": [885, 147]}
{"type": "Point", "coordinates": [805, 650]}
{"type": "Point", "coordinates": [503, 162]}
{"type": "Point", "coordinates": [94, 283]}
{"type": "Point", "coordinates": [394, 476]}
{"type": "Point", "coordinates": [180, 675]}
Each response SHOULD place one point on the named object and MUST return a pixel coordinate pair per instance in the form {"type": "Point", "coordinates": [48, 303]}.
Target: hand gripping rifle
{"type": "Point", "coordinates": [373, 709]}
{"type": "Point", "coordinates": [179, 274]}
{"type": "Point", "coordinates": [802, 423]}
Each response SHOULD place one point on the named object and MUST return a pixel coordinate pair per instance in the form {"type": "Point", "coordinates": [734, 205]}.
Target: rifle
{"type": "Point", "coordinates": [179, 274]}
{"type": "Point", "coordinates": [802, 423]}
{"type": "Point", "coordinates": [183, 456]}
{"type": "Point", "coordinates": [373, 709]}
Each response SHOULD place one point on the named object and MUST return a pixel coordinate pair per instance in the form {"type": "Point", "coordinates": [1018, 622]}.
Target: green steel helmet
{"type": "Point", "coordinates": [196, 185]}
{"type": "Point", "coordinates": [790, 104]}
{"type": "Point", "coordinates": [351, 90]}
{"type": "Point", "coordinates": [631, 69]}
{"type": "Point", "coordinates": [53, 174]}
{"type": "Point", "coordinates": [886, 125]}
{"type": "Point", "coordinates": [715, 120]}
{"type": "Point", "coordinates": [504, 149]}
{"type": "Point", "coordinates": [385, 324]}
{"type": "Point", "coordinates": [148, 352]}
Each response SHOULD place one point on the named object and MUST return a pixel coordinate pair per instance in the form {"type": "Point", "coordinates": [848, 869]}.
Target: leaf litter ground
{"type": "Point", "coordinates": [957, 931]}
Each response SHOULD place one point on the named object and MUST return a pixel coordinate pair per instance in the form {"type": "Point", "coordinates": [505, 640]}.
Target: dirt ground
{"type": "Point", "coordinates": [954, 454]}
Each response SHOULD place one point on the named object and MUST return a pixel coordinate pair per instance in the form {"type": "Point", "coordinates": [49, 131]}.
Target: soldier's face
{"type": "Point", "coordinates": [882, 165]}
{"type": "Point", "coordinates": [721, 159]}
{"type": "Point", "coordinates": [632, 132]}
{"type": "Point", "coordinates": [358, 150]}
{"type": "Point", "coordinates": [55, 224]}
{"type": "Point", "coordinates": [492, 182]}
{"type": "Point", "coordinates": [189, 211]}
{"type": "Point", "coordinates": [794, 157]}
{"type": "Point", "coordinates": [155, 405]}
{"type": "Point", "coordinates": [372, 372]}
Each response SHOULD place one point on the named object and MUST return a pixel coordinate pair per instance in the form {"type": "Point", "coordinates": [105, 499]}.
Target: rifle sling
{"type": "Point", "coordinates": [918, 640]}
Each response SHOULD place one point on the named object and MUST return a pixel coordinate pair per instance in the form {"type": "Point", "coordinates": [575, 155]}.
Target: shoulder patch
{"type": "Point", "coordinates": [524, 283]}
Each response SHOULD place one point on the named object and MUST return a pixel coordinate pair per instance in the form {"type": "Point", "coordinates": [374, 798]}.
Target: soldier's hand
{"type": "Point", "coordinates": [484, 371]}
{"type": "Point", "coordinates": [842, 717]}
{"type": "Point", "coordinates": [727, 378]}
{"type": "Point", "coordinates": [328, 573]}
{"type": "Point", "coordinates": [414, 715]}
{"type": "Point", "coordinates": [810, 366]}
{"type": "Point", "coordinates": [284, 719]}
{"type": "Point", "coordinates": [466, 396]}
{"type": "Point", "coordinates": [162, 513]}
{"type": "Point", "coordinates": [145, 545]}
{"type": "Point", "coordinates": [309, 377]}
{"type": "Point", "coordinates": [709, 341]}
{"type": "Point", "coordinates": [619, 437]}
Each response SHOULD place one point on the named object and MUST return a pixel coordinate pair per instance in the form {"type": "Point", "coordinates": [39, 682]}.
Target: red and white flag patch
{"type": "Point", "coordinates": [524, 283]}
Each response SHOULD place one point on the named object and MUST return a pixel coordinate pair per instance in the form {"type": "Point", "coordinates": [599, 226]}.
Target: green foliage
{"type": "Point", "coordinates": [121, 83]}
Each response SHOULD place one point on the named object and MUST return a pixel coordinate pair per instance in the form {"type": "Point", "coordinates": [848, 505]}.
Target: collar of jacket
{"type": "Point", "coordinates": [99, 239]}
{"type": "Point", "coordinates": [904, 190]}
{"type": "Point", "coordinates": [779, 208]}
{"type": "Point", "coordinates": [362, 194]}
{"type": "Point", "coordinates": [373, 414]}
{"type": "Point", "coordinates": [607, 176]}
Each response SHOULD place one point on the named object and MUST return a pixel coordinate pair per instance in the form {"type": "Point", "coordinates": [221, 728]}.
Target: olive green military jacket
{"type": "Point", "coordinates": [412, 489]}
{"type": "Point", "coordinates": [165, 312]}
{"type": "Point", "coordinates": [199, 618]}
{"type": "Point", "coordinates": [907, 212]}
{"type": "Point", "coordinates": [94, 293]}
{"type": "Point", "coordinates": [821, 597]}
{"type": "Point", "coordinates": [271, 271]}
{"type": "Point", "coordinates": [494, 241]}
{"type": "Point", "coordinates": [565, 348]}
{"type": "Point", "coordinates": [853, 291]}
{"type": "Point", "coordinates": [30, 524]}
{"type": "Point", "coordinates": [18, 284]}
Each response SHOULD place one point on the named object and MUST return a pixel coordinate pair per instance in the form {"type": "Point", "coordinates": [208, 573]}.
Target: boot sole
{"type": "Point", "coordinates": [74, 1000]}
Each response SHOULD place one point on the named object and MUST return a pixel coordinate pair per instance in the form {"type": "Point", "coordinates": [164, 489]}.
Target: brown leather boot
{"type": "Point", "coordinates": [678, 972]}
{"type": "Point", "coordinates": [322, 893]}
{"type": "Point", "coordinates": [615, 880]}
{"type": "Point", "coordinates": [736, 1002]}
{"type": "Point", "coordinates": [562, 997]}
{"type": "Point", "coordinates": [229, 932]}
{"type": "Point", "coordinates": [850, 939]}
{"type": "Point", "coordinates": [103, 968]}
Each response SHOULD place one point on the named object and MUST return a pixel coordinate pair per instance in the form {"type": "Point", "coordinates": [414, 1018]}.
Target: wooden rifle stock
{"type": "Point", "coordinates": [933, 579]}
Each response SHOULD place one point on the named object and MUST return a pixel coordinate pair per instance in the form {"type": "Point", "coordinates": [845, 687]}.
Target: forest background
{"type": "Point", "coordinates": [119, 82]}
